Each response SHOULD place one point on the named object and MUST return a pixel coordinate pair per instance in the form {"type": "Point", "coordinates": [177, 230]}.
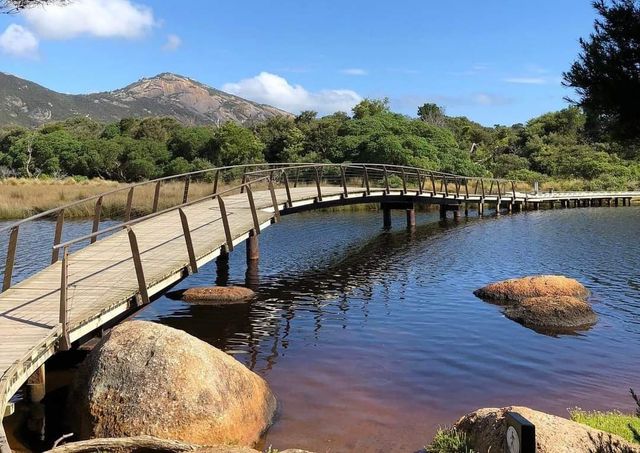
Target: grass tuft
{"type": "Point", "coordinates": [612, 422]}
{"type": "Point", "coordinates": [449, 440]}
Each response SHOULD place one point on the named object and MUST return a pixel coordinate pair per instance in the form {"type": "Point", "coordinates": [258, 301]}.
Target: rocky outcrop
{"type": "Point", "coordinates": [486, 429]}
{"type": "Point", "coordinates": [553, 313]}
{"type": "Point", "coordinates": [545, 303]}
{"type": "Point", "coordinates": [148, 379]}
{"type": "Point", "coordinates": [517, 289]}
{"type": "Point", "coordinates": [211, 295]}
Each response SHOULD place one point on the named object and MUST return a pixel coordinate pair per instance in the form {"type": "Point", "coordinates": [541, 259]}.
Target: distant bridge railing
{"type": "Point", "coordinates": [144, 200]}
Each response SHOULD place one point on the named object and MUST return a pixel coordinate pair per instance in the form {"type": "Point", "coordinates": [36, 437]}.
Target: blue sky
{"type": "Point", "coordinates": [497, 62]}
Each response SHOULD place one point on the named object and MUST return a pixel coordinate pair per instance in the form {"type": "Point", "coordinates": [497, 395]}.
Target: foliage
{"type": "Point", "coordinates": [449, 440]}
{"type": "Point", "coordinates": [606, 75]}
{"type": "Point", "coordinates": [613, 422]}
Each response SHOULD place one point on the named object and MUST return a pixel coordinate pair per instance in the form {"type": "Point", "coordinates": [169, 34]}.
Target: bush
{"type": "Point", "coordinates": [449, 440]}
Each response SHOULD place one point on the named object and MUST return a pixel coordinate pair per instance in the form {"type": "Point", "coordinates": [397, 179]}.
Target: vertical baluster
{"type": "Point", "coordinates": [295, 183]}
{"type": "Point", "coordinates": [513, 189]}
{"type": "Point", "coordinates": [215, 181]}
{"type": "Point", "coordinates": [466, 188]}
{"type": "Point", "coordinates": [254, 212]}
{"type": "Point", "coordinates": [96, 219]}
{"type": "Point", "coordinates": [456, 182]}
{"type": "Point", "coordinates": [11, 258]}
{"type": "Point", "coordinates": [285, 178]}
{"type": "Point", "coordinates": [193, 264]}
{"type": "Point", "coordinates": [433, 182]}
{"type": "Point", "coordinates": [317, 178]}
{"type": "Point", "coordinates": [57, 236]}
{"type": "Point", "coordinates": [65, 342]}
{"type": "Point", "coordinates": [482, 187]}
{"type": "Point", "coordinates": [127, 210]}
{"type": "Point", "coordinates": [137, 264]}
{"type": "Point", "coordinates": [244, 179]}
{"type": "Point", "coordinates": [404, 181]}
{"type": "Point", "coordinates": [225, 224]}
{"type": "Point", "coordinates": [156, 197]}
{"type": "Point", "coordinates": [420, 182]}
{"type": "Point", "coordinates": [274, 201]}
{"type": "Point", "coordinates": [366, 180]}
{"type": "Point", "coordinates": [344, 181]}
{"type": "Point", "coordinates": [386, 179]}
{"type": "Point", "coordinates": [446, 188]}
{"type": "Point", "coordinates": [185, 195]}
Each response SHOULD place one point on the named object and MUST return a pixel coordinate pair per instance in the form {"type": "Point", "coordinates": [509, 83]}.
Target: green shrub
{"type": "Point", "coordinates": [449, 440]}
{"type": "Point", "coordinates": [611, 422]}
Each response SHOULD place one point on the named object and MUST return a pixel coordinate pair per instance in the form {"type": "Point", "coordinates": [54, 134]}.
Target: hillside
{"type": "Point", "coordinates": [28, 104]}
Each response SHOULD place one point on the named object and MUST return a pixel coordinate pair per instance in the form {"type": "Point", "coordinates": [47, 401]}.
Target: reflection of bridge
{"type": "Point", "coordinates": [87, 289]}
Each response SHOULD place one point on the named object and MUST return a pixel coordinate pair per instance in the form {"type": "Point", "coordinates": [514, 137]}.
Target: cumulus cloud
{"type": "Point", "coordinates": [526, 80]}
{"type": "Point", "coordinates": [354, 72]}
{"type": "Point", "coordinates": [274, 90]}
{"type": "Point", "coordinates": [173, 42]}
{"type": "Point", "coordinates": [98, 18]}
{"type": "Point", "coordinates": [19, 42]}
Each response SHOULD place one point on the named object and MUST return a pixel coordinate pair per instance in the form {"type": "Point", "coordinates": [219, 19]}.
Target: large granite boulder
{"type": "Point", "coordinates": [148, 379]}
{"type": "Point", "coordinates": [486, 430]}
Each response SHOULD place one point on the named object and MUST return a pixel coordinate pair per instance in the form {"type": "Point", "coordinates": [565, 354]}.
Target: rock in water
{"type": "Point", "coordinates": [553, 313]}
{"type": "Point", "coordinates": [212, 295]}
{"type": "Point", "coordinates": [517, 289]}
{"type": "Point", "coordinates": [148, 379]}
{"type": "Point", "coordinates": [486, 429]}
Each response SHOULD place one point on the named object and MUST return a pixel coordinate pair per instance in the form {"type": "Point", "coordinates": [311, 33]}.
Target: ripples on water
{"type": "Point", "coordinates": [371, 340]}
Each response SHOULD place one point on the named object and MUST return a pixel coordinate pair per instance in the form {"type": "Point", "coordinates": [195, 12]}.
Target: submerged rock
{"type": "Point", "coordinates": [212, 295]}
{"type": "Point", "coordinates": [148, 379]}
{"type": "Point", "coordinates": [561, 312]}
{"type": "Point", "coordinates": [486, 429]}
{"type": "Point", "coordinates": [517, 289]}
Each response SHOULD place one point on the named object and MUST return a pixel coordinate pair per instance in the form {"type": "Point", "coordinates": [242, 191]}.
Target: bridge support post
{"type": "Point", "coordinates": [386, 218]}
{"type": "Point", "coordinates": [615, 202]}
{"type": "Point", "coordinates": [253, 248]}
{"type": "Point", "coordinates": [466, 209]}
{"type": "Point", "coordinates": [456, 214]}
{"type": "Point", "coordinates": [443, 212]}
{"type": "Point", "coordinates": [481, 209]}
{"type": "Point", "coordinates": [252, 276]}
{"type": "Point", "coordinates": [411, 218]}
{"type": "Point", "coordinates": [36, 384]}
{"type": "Point", "coordinates": [222, 267]}
{"type": "Point", "coordinates": [510, 207]}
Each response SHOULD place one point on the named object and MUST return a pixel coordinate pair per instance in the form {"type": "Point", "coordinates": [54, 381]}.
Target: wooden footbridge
{"type": "Point", "coordinates": [95, 280]}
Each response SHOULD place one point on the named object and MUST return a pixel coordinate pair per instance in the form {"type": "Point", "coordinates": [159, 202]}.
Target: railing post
{"type": "Point", "coordinates": [457, 184]}
{"type": "Point", "coordinates": [466, 188]}
{"type": "Point", "coordinates": [445, 183]}
{"type": "Point", "coordinates": [498, 186]}
{"type": "Point", "coordinates": [317, 178]}
{"type": "Point", "coordinates": [137, 264]}
{"type": "Point", "coordinates": [433, 182]}
{"type": "Point", "coordinates": [482, 187]}
{"type": "Point", "coordinates": [57, 236]}
{"type": "Point", "coordinates": [491, 188]}
{"type": "Point", "coordinates": [127, 211]}
{"type": "Point", "coordinates": [11, 258]}
{"type": "Point", "coordinates": [513, 189]}
{"type": "Point", "coordinates": [185, 195]}
{"type": "Point", "coordinates": [244, 179]}
{"type": "Point", "coordinates": [215, 181]}
{"type": "Point", "coordinates": [404, 181]}
{"type": "Point", "coordinates": [285, 178]}
{"type": "Point", "coordinates": [156, 197]}
{"type": "Point", "coordinates": [225, 224]}
{"type": "Point", "coordinates": [274, 200]}
{"type": "Point", "coordinates": [295, 183]}
{"type": "Point", "coordinates": [193, 264]}
{"type": "Point", "coordinates": [96, 219]}
{"type": "Point", "coordinates": [420, 182]}
{"type": "Point", "coordinates": [254, 212]}
{"type": "Point", "coordinates": [366, 180]}
{"type": "Point", "coordinates": [65, 342]}
{"type": "Point", "coordinates": [344, 181]}
{"type": "Point", "coordinates": [386, 179]}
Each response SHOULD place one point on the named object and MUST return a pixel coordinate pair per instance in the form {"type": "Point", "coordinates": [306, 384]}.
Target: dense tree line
{"type": "Point", "coordinates": [554, 145]}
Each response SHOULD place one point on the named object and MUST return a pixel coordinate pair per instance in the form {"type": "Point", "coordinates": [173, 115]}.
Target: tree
{"type": "Point", "coordinates": [283, 140]}
{"type": "Point", "coordinates": [432, 114]}
{"type": "Point", "coordinates": [235, 145]}
{"type": "Point", "coordinates": [370, 107]}
{"type": "Point", "coordinates": [606, 75]}
{"type": "Point", "coordinates": [13, 6]}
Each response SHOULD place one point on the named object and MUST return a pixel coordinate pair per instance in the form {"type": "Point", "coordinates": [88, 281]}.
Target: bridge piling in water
{"type": "Point", "coordinates": [386, 217]}
{"type": "Point", "coordinates": [411, 218]}
{"type": "Point", "coordinates": [253, 248]}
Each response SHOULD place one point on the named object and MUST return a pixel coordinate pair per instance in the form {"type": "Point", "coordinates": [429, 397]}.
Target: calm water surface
{"type": "Point", "coordinates": [371, 340]}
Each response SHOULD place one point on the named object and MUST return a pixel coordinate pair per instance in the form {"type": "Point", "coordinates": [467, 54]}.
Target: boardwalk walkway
{"type": "Point", "coordinates": [82, 291]}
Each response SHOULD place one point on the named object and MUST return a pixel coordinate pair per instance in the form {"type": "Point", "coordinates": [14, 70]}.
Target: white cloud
{"type": "Point", "coordinates": [99, 18]}
{"type": "Point", "coordinates": [526, 80]}
{"type": "Point", "coordinates": [19, 42]}
{"type": "Point", "coordinates": [354, 72]}
{"type": "Point", "coordinates": [274, 90]}
{"type": "Point", "coordinates": [173, 42]}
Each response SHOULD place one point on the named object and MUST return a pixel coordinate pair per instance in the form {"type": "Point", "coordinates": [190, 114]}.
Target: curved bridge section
{"type": "Point", "coordinates": [97, 279]}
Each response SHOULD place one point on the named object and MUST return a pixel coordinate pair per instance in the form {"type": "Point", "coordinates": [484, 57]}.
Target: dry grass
{"type": "Point", "coordinates": [21, 198]}
{"type": "Point", "coordinates": [518, 289]}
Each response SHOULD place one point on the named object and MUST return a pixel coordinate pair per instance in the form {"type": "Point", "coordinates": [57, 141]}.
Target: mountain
{"type": "Point", "coordinates": [28, 104]}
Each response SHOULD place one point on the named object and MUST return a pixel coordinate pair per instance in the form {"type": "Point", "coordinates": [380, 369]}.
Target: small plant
{"type": "Point", "coordinates": [449, 440]}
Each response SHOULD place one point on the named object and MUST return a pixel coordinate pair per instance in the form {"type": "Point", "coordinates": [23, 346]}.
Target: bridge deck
{"type": "Point", "coordinates": [102, 278]}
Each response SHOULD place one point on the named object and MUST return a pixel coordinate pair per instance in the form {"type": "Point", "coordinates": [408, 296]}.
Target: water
{"type": "Point", "coordinates": [371, 340]}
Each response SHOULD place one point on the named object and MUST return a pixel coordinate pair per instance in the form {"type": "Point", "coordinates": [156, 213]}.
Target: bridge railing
{"type": "Point", "coordinates": [117, 208]}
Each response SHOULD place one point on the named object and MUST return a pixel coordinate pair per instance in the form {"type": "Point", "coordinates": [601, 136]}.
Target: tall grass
{"type": "Point", "coordinates": [21, 198]}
